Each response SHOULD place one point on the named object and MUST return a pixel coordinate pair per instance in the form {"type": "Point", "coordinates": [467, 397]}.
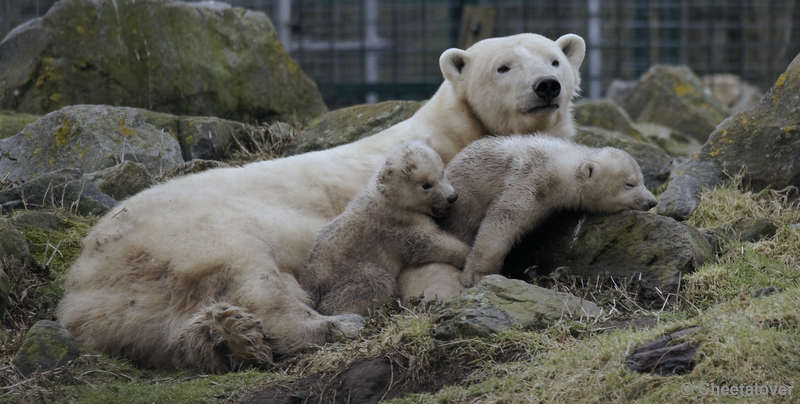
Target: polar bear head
{"type": "Point", "coordinates": [412, 179]}
{"type": "Point", "coordinates": [611, 181]}
{"type": "Point", "coordinates": [517, 84]}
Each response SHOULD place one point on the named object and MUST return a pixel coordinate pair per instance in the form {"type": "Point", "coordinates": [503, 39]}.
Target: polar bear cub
{"type": "Point", "coordinates": [508, 185]}
{"type": "Point", "coordinates": [356, 259]}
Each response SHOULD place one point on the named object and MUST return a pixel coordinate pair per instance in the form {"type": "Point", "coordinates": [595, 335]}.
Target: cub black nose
{"type": "Point", "coordinates": [547, 89]}
{"type": "Point", "coordinates": [653, 203]}
{"type": "Point", "coordinates": [452, 198]}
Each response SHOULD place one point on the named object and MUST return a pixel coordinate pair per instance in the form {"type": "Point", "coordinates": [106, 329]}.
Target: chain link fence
{"type": "Point", "coordinates": [371, 50]}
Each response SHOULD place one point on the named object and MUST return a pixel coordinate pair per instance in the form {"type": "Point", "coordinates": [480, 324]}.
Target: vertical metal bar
{"type": "Point", "coordinates": [595, 53]}
{"type": "Point", "coordinates": [371, 43]}
{"type": "Point", "coordinates": [424, 19]}
{"type": "Point", "coordinates": [285, 23]}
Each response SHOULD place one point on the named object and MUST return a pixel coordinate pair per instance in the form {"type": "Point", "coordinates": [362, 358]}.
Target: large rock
{"type": "Point", "coordinates": [497, 303]}
{"type": "Point", "coordinates": [13, 246]}
{"type": "Point", "coordinates": [123, 180]}
{"type": "Point", "coordinates": [201, 137]}
{"type": "Point", "coordinates": [200, 59]}
{"type": "Point", "coordinates": [608, 115]}
{"type": "Point", "coordinates": [672, 141]}
{"type": "Point", "coordinates": [651, 249]}
{"type": "Point", "coordinates": [763, 142]}
{"type": "Point", "coordinates": [350, 124]}
{"type": "Point", "coordinates": [12, 122]}
{"type": "Point", "coordinates": [90, 138]}
{"type": "Point", "coordinates": [674, 96]}
{"type": "Point", "coordinates": [66, 188]}
{"type": "Point", "coordinates": [46, 346]}
{"type": "Point", "coordinates": [656, 165]}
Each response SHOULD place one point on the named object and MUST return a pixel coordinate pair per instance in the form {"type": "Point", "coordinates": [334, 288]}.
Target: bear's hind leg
{"type": "Point", "coordinates": [359, 292]}
{"type": "Point", "coordinates": [220, 338]}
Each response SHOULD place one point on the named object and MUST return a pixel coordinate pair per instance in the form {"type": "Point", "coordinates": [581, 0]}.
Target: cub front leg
{"type": "Point", "coordinates": [439, 247]}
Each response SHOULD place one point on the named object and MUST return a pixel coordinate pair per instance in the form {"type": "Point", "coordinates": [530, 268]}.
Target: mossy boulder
{"type": "Point", "coordinates": [672, 141]}
{"type": "Point", "coordinates": [608, 115]}
{"type": "Point", "coordinates": [497, 303]}
{"type": "Point", "coordinates": [192, 167]}
{"type": "Point", "coordinates": [12, 122]}
{"type": "Point", "coordinates": [13, 245]}
{"type": "Point", "coordinates": [656, 165]}
{"type": "Point", "coordinates": [763, 143]}
{"type": "Point", "coordinates": [654, 250]}
{"type": "Point", "coordinates": [90, 138]}
{"type": "Point", "coordinates": [123, 180]}
{"type": "Point", "coordinates": [66, 188]}
{"type": "Point", "coordinates": [46, 346]}
{"type": "Point", "coordinates": [32, 219]}
{"type": "Point", "coordinates": [347, 125]}
{"type": "Point", "coordinates": [197, 59]}
{"type": "Point", "coordinates": [674, 96]}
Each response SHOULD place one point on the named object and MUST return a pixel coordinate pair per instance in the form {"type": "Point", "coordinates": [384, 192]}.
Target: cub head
{"type": "Point", "coordinates": [413, 179]}
{"type": "Point", "coordinates": [611, 181]}
{"type": "Point", "coordinates": [517, 84]}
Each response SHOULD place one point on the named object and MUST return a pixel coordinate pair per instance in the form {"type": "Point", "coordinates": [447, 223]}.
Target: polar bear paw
{"type": "Point", "coordinates": [221, 338]}
{"type": "Point", "coordinates": [344, 326]}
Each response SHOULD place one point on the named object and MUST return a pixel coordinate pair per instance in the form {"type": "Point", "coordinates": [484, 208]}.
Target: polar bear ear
{"type": "Point", "coordinates": [574, 48]}
{"type": "Point", "coordinates": [587, 169]}
{"type": "Point", "coordinates": [452, 63]}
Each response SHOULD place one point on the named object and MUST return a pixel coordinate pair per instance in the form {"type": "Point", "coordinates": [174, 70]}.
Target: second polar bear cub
{"type": "Point", "coordinates": [508, 185]}
{"type": "Point", "coordinates": [389, 226]}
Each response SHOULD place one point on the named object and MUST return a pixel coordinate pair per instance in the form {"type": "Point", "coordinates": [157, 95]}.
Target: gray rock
{"type": "Point", "coordinates": [656, 165]}
{"type": "Point", "coordinates": [665, 356]}
{"type": "Point", "coordinates": [47, 346]}
{"type": "Point", "coordinates": [619, 90]}
{"type": "Point", "coordinates": [13, 245]}
{"type": "Point", "coordinates": [122, 180]}
{"type": "Point", "coordinates": [205, 138]}
{"type": "Point", "coordinates": [87, 137]}
{"type": "Point", "coordinates": [64, 188]}
{"type": "Point", "coordinates": [192, 167]}
{"type": "Point", "coordinates": [497, 303]}
{"type": "Point", "coordinates": [750, 230]}
{"type": "Point", "coordinates": [680, 198]}
{"type": "Point", "coordinates": [33, 219]}
{"type": "Point", "coordinates": [652, 250]}
{"type": "Point", "coordinates": [670, 140]}
{"type": "Point", "coordinates": [194, 59]}
{"type": "Point", "coordinates": [766, 291]}
{"type": "Point", "coordinates": [763, 143]}
{"type": "Point", "coordinates": [674, 96]}
{"type": "Point", "coordinates": [347, 125]}
{"type": "Point", "coordinates": [608, 115]}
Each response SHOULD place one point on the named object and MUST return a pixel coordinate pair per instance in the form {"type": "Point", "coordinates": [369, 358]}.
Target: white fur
{"type": "Point", "coordinates": [178, 264]}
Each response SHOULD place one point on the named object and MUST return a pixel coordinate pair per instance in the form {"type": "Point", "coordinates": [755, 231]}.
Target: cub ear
{"type": "Point", "coordinates": [587, 169]}
{"type": "Point", "coordinates": [452, 63]}
{"type": "Point", "coordinates": [574, 48]}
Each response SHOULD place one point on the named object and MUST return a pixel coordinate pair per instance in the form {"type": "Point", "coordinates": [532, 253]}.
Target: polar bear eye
{"type": "Point", "coordinates": [426, 186]}
{"type": "Point", "coordinates": [555, 63]}
{"type": "Point", "coordinates": [503, 69]}
{"type": "Point", "coordinates": [629, 185]}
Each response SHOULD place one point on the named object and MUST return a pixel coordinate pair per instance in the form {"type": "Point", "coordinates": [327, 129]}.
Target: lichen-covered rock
{"type": "Point", "coordinates": [607, 115]}
{"type": "Point", "coordinates": [90, 138]}
{"type": "Point", "coordinates": [192, 167]}
{"type": "Point", "coordinates": [732, 91]}
{"type": "Point", "coordinates": [497, 303]}
{"type": "Point", "coordinates": [196, 59]}
{"type": "Point", "coordinates": [202, 137]}
{"type": "Point", "coordinates": [66, 188]}
{"type": "Point", "coordinates": [672, 141]}
{"type": "Point", "coordinates": [654, 250]}
{"type": "Point", "coordinates": [347, 125]}
{"type": "Point", "coordinates": [762, 142]}
{"type": "Point", "coordinates": [33, 219]}
{"type": "Point", "coordinates": [123, 180]}
{"type": "Point", "coordinates": [5, 288]}
{"type": "Point", "coordinates": [47, 346]}
{"type": "Point", "coordinates": [13, 245]}
{"type": "Point", "coordinates": [750, 230]}
{"type": "Point", "coordinates": [656, 165]}
{"type": "Point", "coordinates": [12, 122]}
{"type": "Point", "coordinates": [665, 356]}
{"type": "Point", "coordinates": [674, 96]}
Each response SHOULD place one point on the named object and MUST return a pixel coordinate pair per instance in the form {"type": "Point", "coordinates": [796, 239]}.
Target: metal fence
{"type": "Point", "coordinates": [370, 50]}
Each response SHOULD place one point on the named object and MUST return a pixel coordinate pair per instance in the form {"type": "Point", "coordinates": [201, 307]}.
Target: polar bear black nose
{"type": "Point", "coordinates": [547, 88]}
{"type": "Point", "coordinates": [653, 203]}
{"type": "Point", "coordinates": [452, 198]}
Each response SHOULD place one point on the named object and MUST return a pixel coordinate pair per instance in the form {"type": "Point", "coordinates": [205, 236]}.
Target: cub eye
{"type": "Point", "coordinates": [426, 186]}
{"type": "Point", "coordinates": [555, 63]}
{"type": "Point", "coordinates": [503, 69]}
{"type": "Point", "coordinates": [629, 185]}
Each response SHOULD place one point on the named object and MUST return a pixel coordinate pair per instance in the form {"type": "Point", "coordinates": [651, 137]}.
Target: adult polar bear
{"type": "Point", "coordinates": [199, 273]}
